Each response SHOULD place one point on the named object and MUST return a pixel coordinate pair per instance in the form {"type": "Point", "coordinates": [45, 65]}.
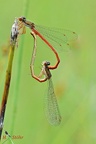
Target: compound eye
{"type": "Point", "coordinates": [22, 19]}
{"type": "Point", "coordinates": [48, 63]}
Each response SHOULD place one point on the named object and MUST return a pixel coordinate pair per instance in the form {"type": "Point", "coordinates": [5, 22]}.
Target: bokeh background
{"type": "Point", "coordinates": [74, 80]}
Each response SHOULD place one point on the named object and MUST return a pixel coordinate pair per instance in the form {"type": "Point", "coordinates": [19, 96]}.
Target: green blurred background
{"type": "Point", "coordinates": [74, 80]}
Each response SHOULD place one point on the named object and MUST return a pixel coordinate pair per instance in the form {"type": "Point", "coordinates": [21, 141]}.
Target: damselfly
{"type": "Point", "coordinates": [51, 105]}
{"type": "Point", "coordinates": [53, 37]}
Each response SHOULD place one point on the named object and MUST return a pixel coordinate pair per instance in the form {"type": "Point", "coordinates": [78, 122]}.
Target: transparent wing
{"type": "Point", "coordinates": [51, 106]}
{"type": "Point", "coordinates": [59, 38]}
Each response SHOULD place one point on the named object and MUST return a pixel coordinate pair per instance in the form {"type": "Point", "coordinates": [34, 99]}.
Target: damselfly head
{"type": "Point", "coordinates": [23, 19]}
{"type": "Point", "coordinates": [47, 63]}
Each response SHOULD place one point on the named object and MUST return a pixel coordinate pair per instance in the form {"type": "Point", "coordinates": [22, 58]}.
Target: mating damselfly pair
{"type": "Point", "coordinates": [53, 38]}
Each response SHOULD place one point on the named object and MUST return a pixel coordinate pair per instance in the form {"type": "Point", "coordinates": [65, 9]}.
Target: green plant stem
{"type": "Point", "coordinates": [6, 87]}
